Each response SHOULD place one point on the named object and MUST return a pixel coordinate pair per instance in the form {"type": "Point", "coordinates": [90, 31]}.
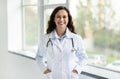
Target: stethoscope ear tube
{"type": "Point", "coordinates": [50, 41]}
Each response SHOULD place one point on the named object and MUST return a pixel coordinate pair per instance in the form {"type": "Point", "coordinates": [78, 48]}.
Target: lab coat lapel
{"type": "Point", "coordinates": [68, 35]}
{"type": "Point", "coordinates": [56, 42]}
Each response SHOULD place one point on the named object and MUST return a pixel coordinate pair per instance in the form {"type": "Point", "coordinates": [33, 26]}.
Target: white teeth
{"type": "Point", "coordinates": [61, 23]}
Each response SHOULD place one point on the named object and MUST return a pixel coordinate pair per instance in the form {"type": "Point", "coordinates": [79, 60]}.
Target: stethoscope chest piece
{"type": "Point", "coordinates": [73, 49]}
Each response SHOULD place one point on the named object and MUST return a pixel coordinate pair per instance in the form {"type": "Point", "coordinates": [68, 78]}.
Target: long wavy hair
{"type": "Point", "coordinates": [52, 25]}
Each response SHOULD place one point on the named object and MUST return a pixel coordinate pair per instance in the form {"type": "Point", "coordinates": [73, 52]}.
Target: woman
{"type": "Point", "coordinates": [61, 54]}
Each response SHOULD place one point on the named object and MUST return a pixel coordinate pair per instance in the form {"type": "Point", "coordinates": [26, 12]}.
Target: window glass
{"type": "Point", "coordinates": [47, 14]}
{"type": "Point", "coordinates": [54, 1]}
{"type": "Point", "coordinates": [29, 2]}
{"type": "Point", "coordinates": [97, 21]}
{"type": "Point", "coordinates": [31, 29]}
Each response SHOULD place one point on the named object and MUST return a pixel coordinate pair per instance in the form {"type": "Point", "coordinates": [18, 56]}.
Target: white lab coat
{"type": "Point", "coordinates": [61, 57]}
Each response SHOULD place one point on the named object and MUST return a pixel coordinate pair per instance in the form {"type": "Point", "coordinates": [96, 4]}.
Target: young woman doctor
{"type": "Point", "coordinates": [61, 54]}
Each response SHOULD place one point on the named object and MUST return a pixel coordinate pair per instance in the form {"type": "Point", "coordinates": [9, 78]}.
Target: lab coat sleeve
{"type": "Point", "coordinates": [81, 55]}
{"type": "Point", "coordinates": [41, 56]}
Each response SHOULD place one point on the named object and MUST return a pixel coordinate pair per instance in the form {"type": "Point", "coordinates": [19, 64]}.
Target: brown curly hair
{"type": "Point", "coordinates": [51, 23]}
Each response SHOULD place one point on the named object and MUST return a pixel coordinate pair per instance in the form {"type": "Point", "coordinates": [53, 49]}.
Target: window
{"type": "Point", "coordinates": [14, 25]}
{"type": "Point", "coordinates": [31, 18]}
{"type": "Point", "coordinates": [97, 21]}
{"type": "Point", "coordinates": [47, 2]}
{"type": "Point", "coordinates": [29, 22]}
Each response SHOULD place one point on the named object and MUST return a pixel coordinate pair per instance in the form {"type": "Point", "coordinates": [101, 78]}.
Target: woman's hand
{"type": "Point", "coordinates": [47, 71]}
{"type": "Point", "coordinates": [75, 71]}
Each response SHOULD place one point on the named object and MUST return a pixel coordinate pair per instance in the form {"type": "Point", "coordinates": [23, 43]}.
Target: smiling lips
{"type": "Point", "coordinates": [61, 23]}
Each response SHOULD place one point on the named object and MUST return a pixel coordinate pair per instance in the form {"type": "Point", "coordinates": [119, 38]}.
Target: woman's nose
{"type": "Point", "coordinates": [61, 19]}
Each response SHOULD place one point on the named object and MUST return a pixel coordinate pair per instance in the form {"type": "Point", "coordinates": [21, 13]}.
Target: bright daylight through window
{"type": "Point", "coordinates": [97, 21]}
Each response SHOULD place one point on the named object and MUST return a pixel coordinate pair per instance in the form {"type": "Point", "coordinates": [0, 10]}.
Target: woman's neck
{"type": "Point", "coordinates": [60, 32]}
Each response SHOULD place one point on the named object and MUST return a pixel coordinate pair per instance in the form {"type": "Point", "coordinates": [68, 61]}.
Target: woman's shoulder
{"type": "Point", "coordinates": [45, 35]}
{"type": "Point", "coordinates": [77, 36]}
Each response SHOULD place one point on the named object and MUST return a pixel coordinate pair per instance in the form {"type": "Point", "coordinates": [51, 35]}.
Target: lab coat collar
{"type": "Point", "coordinates": [68, 34]}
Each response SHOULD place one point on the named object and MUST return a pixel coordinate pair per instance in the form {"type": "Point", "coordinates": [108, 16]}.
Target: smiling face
{"type": "Point", "coordinates": [61, 19]}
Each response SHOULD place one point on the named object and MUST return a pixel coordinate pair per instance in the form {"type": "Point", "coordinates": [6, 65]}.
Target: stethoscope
{"type": "Point", "coordinates": [50, 42]}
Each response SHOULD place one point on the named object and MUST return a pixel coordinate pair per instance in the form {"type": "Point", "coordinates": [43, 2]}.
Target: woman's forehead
{"type": "Point", "coordinates": [62, 12]}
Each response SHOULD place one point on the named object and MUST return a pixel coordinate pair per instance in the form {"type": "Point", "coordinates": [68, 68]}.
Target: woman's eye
{"type": "Point", "coordinates": [64, 16]}
{"type": "Point", "coordinates": [61, 16]}
{"type": "Point", "coordinates": [58, 16]}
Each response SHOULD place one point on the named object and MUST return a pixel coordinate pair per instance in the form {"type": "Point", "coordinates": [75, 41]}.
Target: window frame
{"type": "Point", "coordinates": [41, 21]}
{"type": "Point", "coordinates": [32, 55]}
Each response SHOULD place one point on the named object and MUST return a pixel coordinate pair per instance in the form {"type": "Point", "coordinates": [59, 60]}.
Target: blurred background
{"type": "Point", "coordinates": [23, 21]}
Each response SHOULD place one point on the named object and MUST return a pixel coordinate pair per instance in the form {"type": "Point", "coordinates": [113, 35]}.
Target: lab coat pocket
{"type": "Point", "coordinates": [48, 76]}
{"type": "Point", "coordinates": [74, 76]}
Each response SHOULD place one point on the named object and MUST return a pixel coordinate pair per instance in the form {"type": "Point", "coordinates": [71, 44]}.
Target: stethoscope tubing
{"type": "Point", "coordinates": [50, 41]}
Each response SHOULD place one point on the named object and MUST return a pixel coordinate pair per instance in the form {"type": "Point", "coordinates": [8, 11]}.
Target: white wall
{"type": "Point", "coordinates": [13, 66]}
{"type": "Point", "coordinates": [3, 37]}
